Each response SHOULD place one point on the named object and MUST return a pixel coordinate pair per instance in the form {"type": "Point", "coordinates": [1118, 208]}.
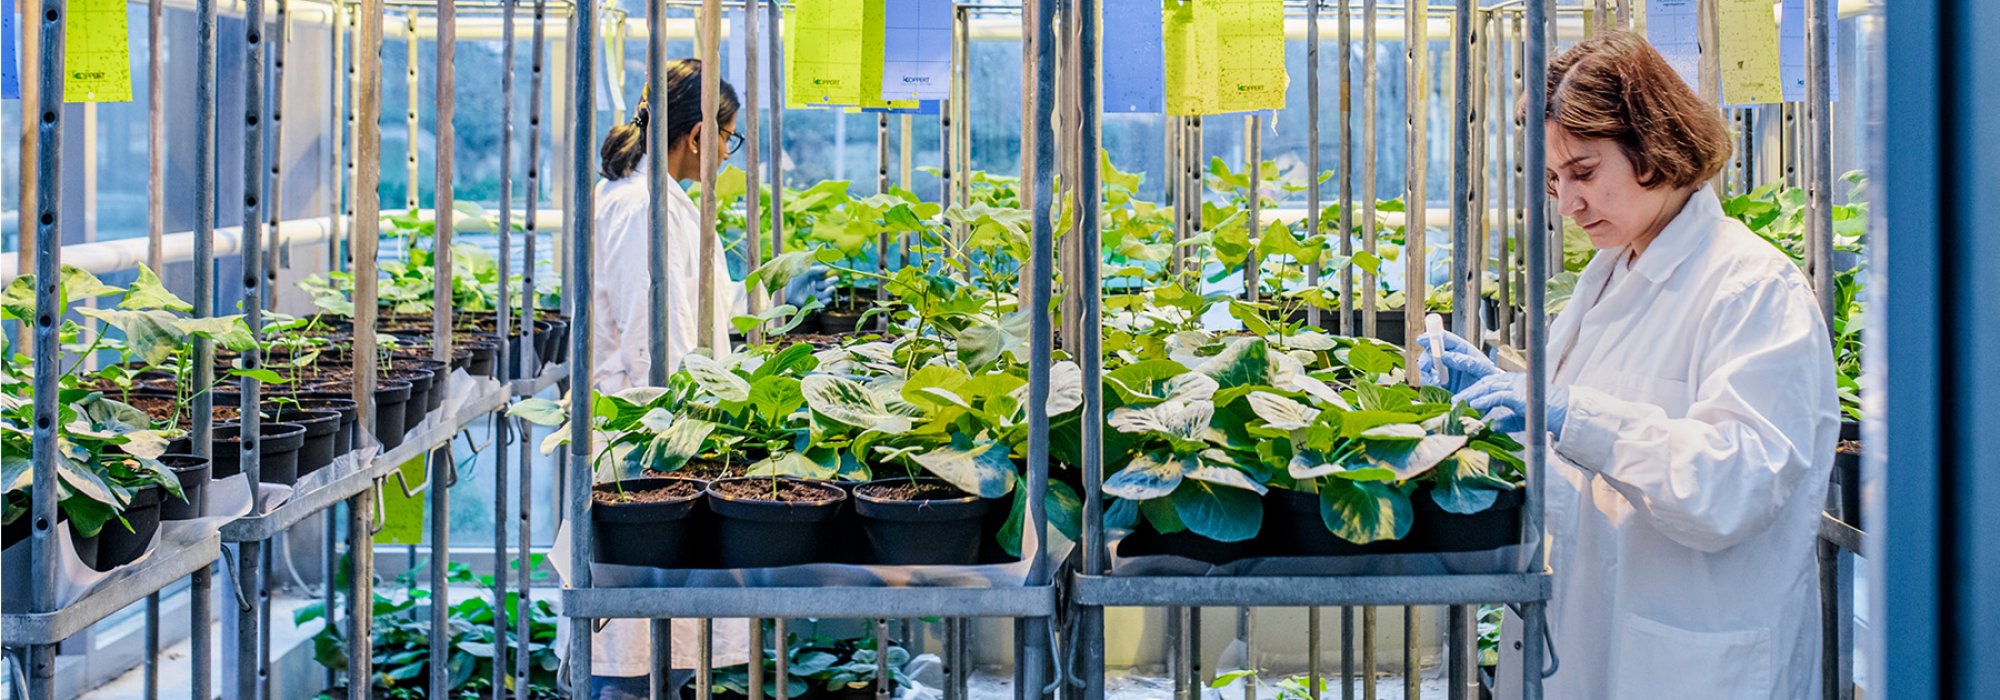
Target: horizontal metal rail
{"type": "Point", "coordinates": [832, 602]}
{"type": "Point", "coordinates": [1299, 591]}
{"type": "Point", "coordinates": [157, 572]}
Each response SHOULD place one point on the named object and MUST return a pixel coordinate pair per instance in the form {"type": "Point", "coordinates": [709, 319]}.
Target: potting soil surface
{"type": "Point", "coordinates": [783, 490]}
{"type": "Point", "coordinates": [817, 340]}
{"type": "Point", "coordinates": [673, 491]}
{"type": "Point", "coordinates": [707, 469]}
{"type": "Point", "coordinates": [913, 491]}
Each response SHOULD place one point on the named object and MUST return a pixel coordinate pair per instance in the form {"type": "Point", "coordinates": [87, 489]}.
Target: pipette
{"type": "Point", "coordinates": [1434, 329]}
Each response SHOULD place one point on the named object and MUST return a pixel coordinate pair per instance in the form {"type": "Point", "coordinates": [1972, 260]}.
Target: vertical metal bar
{"type": "Point", "coordinates": [908, 182]}
{"type": "Point", "coordinates": [1412, 666]}
{"type": "Point", "coordinates": [274, 201]}
{"type": "Point", "coordinates": [1368, 146]}
{"type": "Point", "coordinates": [201, 685]}
{"type": "Point", "coordinates": [366, 236]}
{"type": "Point", "coordinates": [264, 620]}
{"type": "Point", "coordinates": [881, 659]}
{"type": "Point", "coordinates": [1088, 289]}
{"type": "Point", "coordinates": [336, 137]}
{"type": "Point", "coordinates": [1819, 146]}
{"type": "Point", "coordinates": [361, 580]}
{"type": "Point", "coordinates": [249, 563]}
{"type": "Point", "coordinates": [776, 44]}
{"type": "Point", "coordinates": [1253, 161]}
{"type": "Point", "coordinates": [150, 670]}
{"type": "Point", "coordinates": [410, 42]}
{"type": "Point", "coordinates": [752, 205]}
{"type": "Point", "coordinates": [524, 524]}
{"type": "Point", "coordinates": [659, 189]}
{"type": "Point", "coordinates": [881, 187]}
{"type": "Point", "coordinates": [1039, 130]}
{"type": "Point", "coordinates": [1416, 200]}
{"type": "Point", "coordinates": [712, 151]}
{"type": "Point", "coordinates": [704, 672]}
{"type": "Point", "coordinates": [582, 227]}
{"type": "Point", "coordinates": [756, 658]}
{"type": "Point", "coordinates": [1312, 147]}
{"type": "Point", "coordinates": [1244, 634]}
{"type": "Point", "coordinates": [1463, 266]}
{"type": "Point", "coordinates": [352, 178]}
{"type": "Point", "coordinates": [156, 145]}
{"type": "Point", "coordinates": [783, 677]}
{"type": "Point", "coordinates": [1460, 630]}
{"type": "Point", "coordinates": [50, 308]}
{"type": "Point", "coordinates": [329, 562]}
{"type": "Point", "coordinates": [1368, 665]}
{"type": "Point", "coordinates": [954, 655]}
{"type": "Point", "coordinates": [30, 104]}
{"type": "Point", "coordinates": [200, 636]}
{"type": "Point", "coordinates": [1312, 653]}
{"type": "Point", "coordinates": [500, 425]}
{"type": "Point", "coordinates": [442, 198]}
{"type": "Point", "coordinates": [1346, 224]}
{"type": "Point", "coordinates": [1347, 652]}
{"type": "Point", "coordinates": [1535, 68]}
{"type": "Point", "coordinates": [1504, 174]}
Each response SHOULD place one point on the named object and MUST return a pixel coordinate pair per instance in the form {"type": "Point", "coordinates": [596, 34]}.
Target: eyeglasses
{"type": "Point", "coordinates": [735, 142]}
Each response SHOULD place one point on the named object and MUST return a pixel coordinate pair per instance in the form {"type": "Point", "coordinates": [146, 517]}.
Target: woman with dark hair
{"type": "Point", "coordinates": [621, 318]}
{"type": "Point", "coordinates": [1691, 407]}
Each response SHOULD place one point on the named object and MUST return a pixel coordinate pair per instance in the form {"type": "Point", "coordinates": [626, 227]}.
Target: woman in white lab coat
{"type": "Point", "coordinates": [621, 318]}
{"type": "Point", "coordinates": [1691, 407]}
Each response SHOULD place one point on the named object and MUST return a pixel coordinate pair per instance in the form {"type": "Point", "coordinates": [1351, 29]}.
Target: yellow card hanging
{"type": "Point", "coordinates": [97, 53]}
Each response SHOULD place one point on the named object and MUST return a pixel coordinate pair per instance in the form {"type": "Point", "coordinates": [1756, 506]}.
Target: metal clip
{"type": "Point", "coordinates": [381, 519]}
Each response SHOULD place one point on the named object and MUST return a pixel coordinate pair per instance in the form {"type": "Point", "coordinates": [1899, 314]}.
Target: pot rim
{"type": "Point", "coordinates": [839, 494]}
{"type": "Point", "coordinates": [858, 495]}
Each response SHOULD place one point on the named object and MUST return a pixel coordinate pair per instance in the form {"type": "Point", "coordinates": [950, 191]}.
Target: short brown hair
{"type": "Point", "coordinates": [1615, 87]}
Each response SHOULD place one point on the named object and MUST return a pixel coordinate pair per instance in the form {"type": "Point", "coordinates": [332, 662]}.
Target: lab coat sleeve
{"type": "Point", "coordinates": [1722, 473]}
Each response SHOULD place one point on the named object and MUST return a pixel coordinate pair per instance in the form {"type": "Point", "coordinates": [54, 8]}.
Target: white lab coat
{"type": "Point", "coordinates": [1685, 494]}
{"type": "Point", "coordinates": [621, 354]}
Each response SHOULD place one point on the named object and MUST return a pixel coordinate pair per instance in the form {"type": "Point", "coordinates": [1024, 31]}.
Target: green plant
{"type": "Point", "coordinates": [819, 664]}
{"type": "Point", "coordinates": [401, 635]}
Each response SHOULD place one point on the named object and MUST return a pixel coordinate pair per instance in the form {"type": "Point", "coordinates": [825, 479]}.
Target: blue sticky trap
{"type": "Point", "coordinates": [1672, 28]}
{"type": "Point", "coordinates": [916, 49]}
{"type": "Point", "coordinates": [1134, 60]}
{"type": "Point", "coordinates": [1793, 70]}
{"type": "Point", "coordinates": [925, 107]}
{"type": "Point", "coordinates": [10, 71]}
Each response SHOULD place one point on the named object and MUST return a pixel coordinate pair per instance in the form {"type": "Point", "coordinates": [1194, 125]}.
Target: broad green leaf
{"type": "Point", "coordinates": [1219, 513]}
{"type": "Point", "coordinates": [1395, 431]}
{"type": "Point", "coordinates": [791, 464]}
{"type": "Point", "coordinates": [671, 447]}
{"type": "Point", "coordinates": [543, 412]}
{"type": "Point", "coordinates": [1410, 459]}
{"type": "Point", "coordinates": [1187, 421]}
{"type": "Point", "coordinates": [152, 336]}
{"type": "Point", "coordinates": [1245, 361]}
{"type": "Point", "coordinates": [1150, 476]}
{"type": "Point", "coordinates": [1225, 476]}
{"type": "Point", "coordinates": [849, 402]}
{"type": "Point", "coordinates": [1364, 511]}
{"type": "Point", "coordinates": [227, 331]}
{"type": "Point", "coordinates": [1463, 484]}
{"type": "Point", "coordinates": [776, 397]}
{"type": "Point", "coordinates": [715, 379]}
{"type": "Point", "coordinates": [1280, 412]}
{"type": "Point", "coordinates": [79, 285]}
{"type": "Point", "coordinates": [147, 292]}
{"type": "Point", "coordinates": [984, 469]}
{"type": "Point", "coordinates": [263, 376]}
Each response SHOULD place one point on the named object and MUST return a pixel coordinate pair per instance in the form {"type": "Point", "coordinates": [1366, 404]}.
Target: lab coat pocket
{"type": "Point", "coordinates": [1657, 660]}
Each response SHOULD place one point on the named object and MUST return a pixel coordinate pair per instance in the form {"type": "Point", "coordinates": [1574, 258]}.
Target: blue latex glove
{"type": "Point", "coordinates": [1464, 364]}
{"type": "Point", "coordinates": [1503, 398]}
{"type": "Point", "coordinates": [809, 285]}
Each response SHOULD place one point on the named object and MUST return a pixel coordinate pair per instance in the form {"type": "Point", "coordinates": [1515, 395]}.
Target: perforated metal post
{"type": "Point", "coordinates": [336, 140]}
{"type": "Point", "coordinates": [582, 227]}
{"type": "Point", "coordinates": [1368, 90]}
{"type": "Point", "coordinates": [1535, 68]}
{"type": "Point", "coordinates": [659, 188]}
{"type": "Point", "coordinates": [49, 312]}
{"type": "Point", "coordinates": [156, 224]}
{"type": "Point", "coordinates": [248, 657]}
{"type": "Point", "coordinates": [776, 161]}
{"type": "Point", "coordinates": [274, 202]}
{"type": "Point", "coordinates": [367, 232]}
{"type": "Point", "coordinates": [1253, 159]}
{"type": "Point", "coordinates": [1346, 177]}
{"type": "Point", "coordinates": [1465, 269]}
{"type": "Point", "coordinates": [201, 584]}
{"type": "Point", "coordinates": [753, 254]}
{"type": "Point", "coordinates": [524, 524]}
{"type": "Point", "coordinates": [442, 467]}
{"type": "Point", "coordinates": [410, 123]}
{"type": "Point", "coordinates": [502, 427]}
{"type": "Point", "coordinates": [1416, 107]}
{"type": "Point", "coordinates": [712, 152]}
{"type": "Point", "coordinates": [1034, 655]}
{"type": "Point", "coordinates": [1089, 352]}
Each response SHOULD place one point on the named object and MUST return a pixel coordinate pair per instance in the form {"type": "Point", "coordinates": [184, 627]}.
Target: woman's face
{"type": "Point", "coordinates": [1595, 186]}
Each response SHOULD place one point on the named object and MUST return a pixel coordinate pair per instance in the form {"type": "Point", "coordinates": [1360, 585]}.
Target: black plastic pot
{"type": "Point", "coordinates": [343, 437]}
{"type": "Point", "coordinates": [118, 546]}
{"type": "Point", "coordinates": [559, 350]}
{"type": "Point", "coordinates": [914, 532]}
{"type": "Point", "coordinates": [757, 533]}
{"type": "Point", "coordinates": [1844, 498]}
{"type": "Point", "coordinates": [515, 347]}
{"type": "Point", "coordinates": [322, 431]}
{"type": "Point", "coordinates": [546, 341]}
{"type": "Point", "coordinates": [1187, 545]}
{"type": "Point", "coordinates": [277, 455]}
{"type": "Point", "coordinates": [662, 534]}
{"type": "Point", "coordinates": [839, 321]}
{"type": "Point", "coordinates": [422, 381]}
{"type": "Point", "coordinates": [480, 362]}
{"type": "Point", "coordinates": [193, 472]}
{"type": "Point", "coordinates": [1293, 528]}
{"type": "Point", "coordinates": [1437, 530]}
{"type": "Point", "coordinates": [440, 376]}
{"type": "Point", "coordinates": [86, 547]}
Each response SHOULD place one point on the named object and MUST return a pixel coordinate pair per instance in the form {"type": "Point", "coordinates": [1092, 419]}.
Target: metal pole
{"type": "Point", "coordinates": [443, 471]}
{"type": "Point", "coordinates": [658, 189]}
{"type": "Point", "coordinates": [1034, 652]}
{"type": "Point", "coordinates": [752, 205]}
{"type": "Point", "coordinates": [1536, 202]}
{"type": "Point", "coordinates": [712, 151]}
{"type": "Point", "coordinates": [1416, 86]}
{"type": "Point", "coordinates": [1312, 148]}
{"type": "Point", "coordinates": [1412, 666]}
{"type": "Point", "coordinates": [353, 178]}
{"type": "Point", "coordinates": [882, 187]}
{"type": "Point", "coordinates": [1819, 145]}
{"type": "Point", "coordinates": [1503, 210]}
{"type": "Point", "coordinates": [582, 227]}
{"type": "Point", "coordinates": [1347, 652]}
{"type": "Point", "coordinates": [783, 658]}
{"type": "Point", "coordinates": [1345, 309]}
{"type": "Point", "coordinates": [329, 561]}
{"type": "Point", "coordinates": [1088, 289]}
{"type": "Point", "coordinates": [249, 555]}
{"type": "Point", "coordinates": [201, 584]}
{"type": "Point", "coordinates": [274, 202]}
{"type": "Point", "coordinates": [410, 43]}
{"type": "Point", "coordinates": [367, 232]}
{"type": "Point", "coordinates": [524, 521]}
{"type": "Point", "coordinates": [501, 426]}
{"type": "Point", "coordinates": [1368, 644]}
{"type": "Point", "coordinates": [1461, 623]}
{"type": "Point", "coordinates": [1463, 265]}
{"type": "Point", "coordinates": [1253, 159]}
{"type": "Point", "coordinates": [1368, 90]}
{"type": "Point", "coordinates": [1312, 653]}
{"type": "Point", "coordinates": [776, 43]}
{"type": "Point", "coordinates": [337, 142]}
{"type": "Point", "coordinates": [49, 312]}
{"type": "Point", "coordinates": [156, 218]}
{"type": "Point", "coordinates": [660, 634]}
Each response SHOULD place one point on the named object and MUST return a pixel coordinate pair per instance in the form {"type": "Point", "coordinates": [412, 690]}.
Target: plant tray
{"type": "Point", "coordinates": [1511, 559]}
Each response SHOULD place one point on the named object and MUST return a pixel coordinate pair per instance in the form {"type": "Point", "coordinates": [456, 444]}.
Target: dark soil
{"type": "Point", "coordinates": [159, 407]}
{"type": "Point", "coordinates": [707, 469]}
{"type": "Point", "coordinates": [673, 491]}
{"type": "Point", "coordinates": [821, 341]}
{"type": "Point", "coordinates": [913, 491]}
{"type": "Point", "coordinates": [787, 491]}
{"type": "Point", "coordinates": [1849, 447]}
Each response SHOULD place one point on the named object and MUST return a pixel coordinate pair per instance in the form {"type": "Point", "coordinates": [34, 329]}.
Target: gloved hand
{"type": "Point", "coordinates": [1503, 398]}
{"type": "Point", "coordinates": [1465, 365]}
{"type": "Point", "coordinates": [806, 286]}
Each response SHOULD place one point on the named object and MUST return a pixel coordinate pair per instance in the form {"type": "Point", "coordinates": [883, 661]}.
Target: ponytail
{"type": "Point", "coordinates": [625, 146]}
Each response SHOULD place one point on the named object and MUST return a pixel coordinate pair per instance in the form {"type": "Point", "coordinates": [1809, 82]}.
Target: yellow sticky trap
{"type": "Point", "coordinates": [97, 54]}
{"type": "Point", "coordinates": [405, 514]}
{"type": "Point", "coordinates": [1749, 53]}
{"type": "Point", "coordinates": [833, 54]}
{"type": "Point", "coordinates": [1224, 56]}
